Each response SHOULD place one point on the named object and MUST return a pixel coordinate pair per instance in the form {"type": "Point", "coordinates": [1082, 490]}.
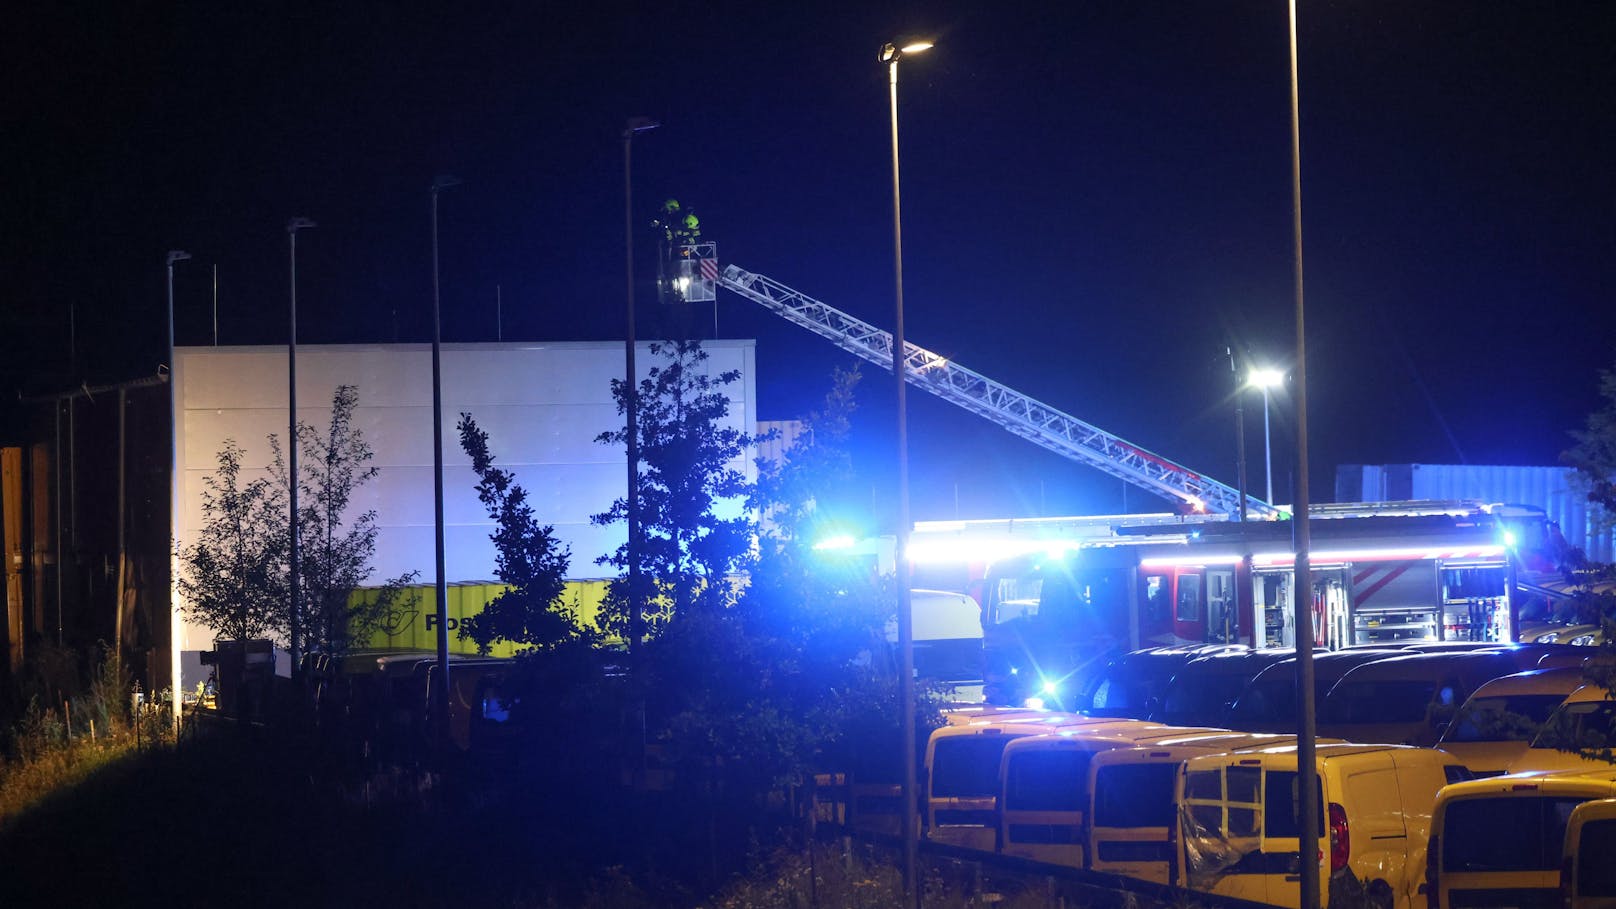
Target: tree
{"type": "Point", "coordinates": [823, 615]}
{"type": "Point", "coordinates": [528, 557]}
{"type": "Point", "coordinates": [1593, 457]}
{"type": "Point", "coordinates": [334, 551]}
{"type": "Point", "coordinates": [232, 579]}
{"type": "Point", "coordinates": [689, 550]}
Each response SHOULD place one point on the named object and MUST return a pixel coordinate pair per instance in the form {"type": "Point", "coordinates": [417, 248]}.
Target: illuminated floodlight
{"type": "Point", "coordinates": [840, 541]}
{"type": "Point", "coordinates": [1265, 378]}
{"type": "Point", "coordinates": [892, 53]}
{"type": "Point", "coordinates": [1034, 704]}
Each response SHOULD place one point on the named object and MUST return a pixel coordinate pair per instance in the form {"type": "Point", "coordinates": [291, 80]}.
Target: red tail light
{"type": "Point", "coordinates": [1340, 839]}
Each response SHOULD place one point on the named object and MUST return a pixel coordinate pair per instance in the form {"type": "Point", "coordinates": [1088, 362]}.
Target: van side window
{"type": "Point", "coordinates": [1281, 802]}
{"type": "Point", "coordinates": [1234, 811]}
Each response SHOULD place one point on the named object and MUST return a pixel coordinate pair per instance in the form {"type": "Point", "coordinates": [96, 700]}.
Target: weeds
{"type": "Point", "coordinates": [52, 747]}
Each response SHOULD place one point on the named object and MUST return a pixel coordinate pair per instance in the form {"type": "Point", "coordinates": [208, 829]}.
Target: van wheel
{"type": "Point", "coordinates": [1380, 895]}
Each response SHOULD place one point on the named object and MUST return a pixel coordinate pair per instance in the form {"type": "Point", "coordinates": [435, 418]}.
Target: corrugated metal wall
{"type": "Point", "coordinates": [1549, 488]}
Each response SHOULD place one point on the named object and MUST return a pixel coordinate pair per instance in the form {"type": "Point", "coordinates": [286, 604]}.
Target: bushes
{"type": "Point", "coordinates": [51, 747]}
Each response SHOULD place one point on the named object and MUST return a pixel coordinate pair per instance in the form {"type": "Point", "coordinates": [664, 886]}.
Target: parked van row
{"type": "Point", "coordinates": [1406, 696]}
{"type": "Point", "coordinates": [1207, 809]}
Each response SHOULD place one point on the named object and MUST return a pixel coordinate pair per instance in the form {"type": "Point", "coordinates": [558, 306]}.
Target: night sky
{"type": "Point", "coordinates": [1096, 205]}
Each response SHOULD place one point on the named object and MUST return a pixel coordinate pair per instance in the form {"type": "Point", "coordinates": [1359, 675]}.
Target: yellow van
{"type": "Point", "coordinates": [1044, 785]}
{"type": "Point", "coordinates": [1131, 812]}
{"type": "Point", "coordinates": [962, 775]}
{"type": "Point", "coordinates": [1498, 722]}
{"type": "Point", "coordinates": [1588, 863]}
{"type": "Point", "coordinates": [1239, 821]}
{"type": "Point", "coordinates": [1499, 841]}
{"type": "Point", "coordinates": [1578, 735]}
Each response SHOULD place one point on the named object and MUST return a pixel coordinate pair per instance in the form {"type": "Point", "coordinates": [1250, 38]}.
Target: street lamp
{"type": "Point", "coordinates": [1266, 380]}
{"type": "Point", "coordinates": [636, 617]}
{"type": "Point", "coordinates": [174, 628]}
{"type": "Point", "coordinates": [440, 710]}
{"type": "Point", "coordinates": [296, 624]}
{"type": "Point", "coordinates": [890, 54]}
{"type": "Point", "coordinates": [1302, 592]}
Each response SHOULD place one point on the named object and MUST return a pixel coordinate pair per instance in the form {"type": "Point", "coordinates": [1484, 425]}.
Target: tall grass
{"type": "Point", "coordinates": [55, 746]}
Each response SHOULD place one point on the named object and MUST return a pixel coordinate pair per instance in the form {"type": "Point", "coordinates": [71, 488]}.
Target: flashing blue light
{"type": "Point", "coordinates": [1509, 538]}
{"type": "Point", "coordinates": [1051, 688]}
{"type": "Point", "coordinates": [841, 541]}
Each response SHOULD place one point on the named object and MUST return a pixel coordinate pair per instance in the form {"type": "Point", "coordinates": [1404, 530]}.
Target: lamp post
{"type": "Point", "coordinates": [1266, 380]}
{"type": "Point", "coordinates": [1302, 595]}
{"type": "Point", "coordinates": [441, 705]}
{"type": "Point", "coordinates": [295, 630]}
{"type": "Point", "coordinates": [890, 54]}
{"type": "Point", "coordinates": [174, 627]}
{"type": "Point", "coordinates": [631, 411]}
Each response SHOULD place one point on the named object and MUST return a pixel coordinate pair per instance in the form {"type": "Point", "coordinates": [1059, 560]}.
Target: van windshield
{"type": "Point", "coordinates": [1513, 718]}
{"type": "Point", "coordinates": [967, 766]}
{"type": "Point", "coordinates": [1390, 701]}
{"type": "Point", "coordinates": [1580, 726]}
{"type": "Point", "coordinates": [1135, 795]}
{"type": "Point", "coordinates": [1505, 834]}
{"type": "Point", "coordinates": [1046, 780]}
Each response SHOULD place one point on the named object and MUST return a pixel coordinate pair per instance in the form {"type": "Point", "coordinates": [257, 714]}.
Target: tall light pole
{"type": "Point", "coordinates": [631, 410]}
{"type": "Point", "coordinates": [174, 627]}
{"type": "Point", "coordinates": [890, 54]}
{"type": "Point", "coordinates": [1302, 595]}
{"type": "Point", "coordinates": [1266, 380]}
{"type": "Point", "coordinates": [296, 615]}
{"type": "Point", "coordinates": [441, 707]}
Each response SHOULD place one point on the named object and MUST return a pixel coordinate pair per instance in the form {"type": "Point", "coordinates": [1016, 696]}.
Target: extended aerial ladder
{"type": "Point", "coordinates": [698, 277]}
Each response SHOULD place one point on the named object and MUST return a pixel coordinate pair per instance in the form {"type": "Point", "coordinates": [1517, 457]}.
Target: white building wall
{"type": "Point", "coordinates": [542, 406]}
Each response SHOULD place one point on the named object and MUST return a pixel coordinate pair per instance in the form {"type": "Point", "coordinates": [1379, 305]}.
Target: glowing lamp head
{"type": "Point", "coordinates": [894, 51]}
{"type": "Point", "coordinates": [1050, 688]}
{"type": "Point", "coordinates": [1034, 703]}
{"type": "Point", "coordinates": [1509, 538]}
{"type": "Point", "coordinates": [1265, 378]}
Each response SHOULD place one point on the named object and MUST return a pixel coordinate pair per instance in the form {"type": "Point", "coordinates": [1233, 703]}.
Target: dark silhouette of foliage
{"type": "Point", "coordinates": [334, 548]}
{"type": "Point", "coordinates": [694, 535]}
{"type": "Point", "coordinates": [1593, 457]}
{"type": "Point", "coordinates": [528, 557]}
{"type": "Point", "coordinates": [232, 579]}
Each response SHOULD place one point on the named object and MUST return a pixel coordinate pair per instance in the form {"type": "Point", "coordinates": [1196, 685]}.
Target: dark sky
{"type": "Point", "coordinates": [1096, 204]}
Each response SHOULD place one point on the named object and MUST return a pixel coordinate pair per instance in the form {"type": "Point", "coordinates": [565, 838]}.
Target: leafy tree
{"type": "Point", "coordinates": [824, 616]}
{"type": "Point", "coordinates": [334, 550]}
{"type": "Point", "coordinates": [688, 551]}
{"type": "Point", "coordinates": [233, 578]}
{"type": "Point", "coordinates": [1593, 457]}
{"type": "Point", "coordinates": [528, 557]}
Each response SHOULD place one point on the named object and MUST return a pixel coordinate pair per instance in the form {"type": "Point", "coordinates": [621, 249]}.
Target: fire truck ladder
{"type": "Point", "coordinates": [1032, 420]}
